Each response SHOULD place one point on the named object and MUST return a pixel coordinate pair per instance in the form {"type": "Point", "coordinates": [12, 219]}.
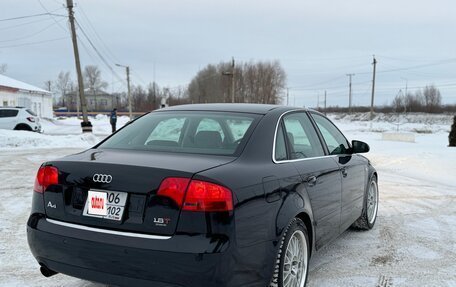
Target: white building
{"type": "Point", "coordinates": [16, 93]}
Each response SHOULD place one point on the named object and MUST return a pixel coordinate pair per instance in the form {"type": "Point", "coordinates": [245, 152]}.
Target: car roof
{"type": "Point", "coordinates": [225, 107]}
{"type": "Point", "coordinates": [12, 108]}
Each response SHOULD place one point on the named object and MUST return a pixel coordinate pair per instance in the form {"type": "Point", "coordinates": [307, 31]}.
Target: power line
{"type": "Point", "coordinates": [317, 84]}
{"type": "Point", "coordinates": [328, 88]}
{"type": "Point", "coordinates": [24, 24]}
{"type": "Point", "coordinates": [108, 53]}
{"type": "Point", "coordinates": [33, 43]}
{"type": "Point", "coordinates": [103, 59]}
{"type": "Point", "coordinates": [106, 47]}
{"type": "Point", "coordinates": [31, 16]}
{"type": "Point", "coordinates": [133, 73]}
{"type": "Point", "coordinates": [50, 14]}
{"type": "Point", "coordinates": [30, 35]}
{"type": "Point", "coordinates": [438, 63]}
{"type": "Point", "coordinates": [86, 49]}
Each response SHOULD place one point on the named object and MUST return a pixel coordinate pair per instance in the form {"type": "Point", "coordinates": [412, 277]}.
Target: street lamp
{"type": "Point", "coordinates": [406, 85]}
{"type": "Point", "coordinates": [405, 97]}
{"type": "Point", "coordinates": [127, 69]}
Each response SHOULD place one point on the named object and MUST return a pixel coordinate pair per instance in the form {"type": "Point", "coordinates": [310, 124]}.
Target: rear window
{"type": "Point", "coordinates": [215, 133]}
{"type": "Point", "coordinates": [4, 113]}
{"type": "Point", "coordinates": [31, 112]}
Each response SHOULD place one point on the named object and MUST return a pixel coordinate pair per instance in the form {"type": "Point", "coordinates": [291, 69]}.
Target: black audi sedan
{"type": "Point", "coordinates": [203, 195]}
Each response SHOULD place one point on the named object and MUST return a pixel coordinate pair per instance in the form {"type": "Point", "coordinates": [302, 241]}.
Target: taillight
{"type": "Point", "coordinates": [46, 176]}
{"type": "Point", "coordinates": [201, 195]}
{"type": "Point", "coordinates": [31, 119]}
{"type": "Point", "coordinates": [174, 188]}
{"type": "Point", "coordinates": [207, 197]}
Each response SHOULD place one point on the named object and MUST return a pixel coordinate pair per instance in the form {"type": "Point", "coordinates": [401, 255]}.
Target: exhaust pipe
{"type": "Point", "coordinates": [46, 271]}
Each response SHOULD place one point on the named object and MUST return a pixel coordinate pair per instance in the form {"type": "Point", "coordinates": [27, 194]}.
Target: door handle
{"type": "Point", "coordinates": [311, 181]}
{"type": "Point", "coordinates": [344, 172]}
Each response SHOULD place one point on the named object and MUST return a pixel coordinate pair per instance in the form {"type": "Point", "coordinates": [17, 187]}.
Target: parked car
{"type": "Point", "coordinates": [203, 195]}
{"type": "Point", "coordinates": [19, 118]}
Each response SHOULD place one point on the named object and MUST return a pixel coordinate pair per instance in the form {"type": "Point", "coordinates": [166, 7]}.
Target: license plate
{"type": "Point", "coordinates": [105, 204]}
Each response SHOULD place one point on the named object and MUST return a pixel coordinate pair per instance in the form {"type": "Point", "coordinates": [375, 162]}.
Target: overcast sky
{"type": "Point", "coordinates": [317, 42]}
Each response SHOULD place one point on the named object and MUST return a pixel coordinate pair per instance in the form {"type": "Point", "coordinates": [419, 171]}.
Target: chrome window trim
{"type": "Point", "coordinates": [275, 139]}
{"type": "Point", "coordinates": [337, 128]}
{"type": "Point", "coordinates": [107, 231]}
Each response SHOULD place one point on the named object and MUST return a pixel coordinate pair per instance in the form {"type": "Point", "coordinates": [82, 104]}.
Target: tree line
{"type": "Point", "coordinates": [254, 82]}
{"type": "Point", "coordinates": [425, 100]}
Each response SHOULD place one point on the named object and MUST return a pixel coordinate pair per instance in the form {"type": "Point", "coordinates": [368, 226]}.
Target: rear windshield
{"type": "Point", "coordinates": [4, 113]}
{"type": "Point", "coordinates": [215, 133]}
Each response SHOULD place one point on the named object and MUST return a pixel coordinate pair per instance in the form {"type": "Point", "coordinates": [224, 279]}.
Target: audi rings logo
{"type": "Point", "coordinates": [102, 178]}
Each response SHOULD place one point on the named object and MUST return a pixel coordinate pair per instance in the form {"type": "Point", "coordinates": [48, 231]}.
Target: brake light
{"type": "Point", "coordinates": [174, 188]}
{"type": "Point", "coordinates": [46, 176]}
{"type": "Point", "coordinates": [207, 197]}
{"type": "Point", "coordinates": [31, 119]}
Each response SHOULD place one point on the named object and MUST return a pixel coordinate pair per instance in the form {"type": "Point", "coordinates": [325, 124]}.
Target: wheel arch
{"type": "Point", "coordinates": [297, 206]}
{"type": "Point", "coordinates": [306, 219]}
{"type": "Point", "coordinates": [23, 126]}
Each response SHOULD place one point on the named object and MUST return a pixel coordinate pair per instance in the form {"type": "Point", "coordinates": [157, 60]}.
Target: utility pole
{"type": "Point", "coordinates": [350, 93]}
{"type": "Point", "coordinates": [85, 125]}
{"type": "Point", "coordinates": [127, 70]}
{"type": "Point", "coordinates": [406, 92]}
{"type": "Point", "coordinates": [232, 75]}
{"type": "Point", "coordinates": [232, 80]}
{"type": "Point", "coordinates": [288, 95]}
{"type": "Point", "coordinates": [129, 92]}
{"type": "Point", "coordinates": [325, 102]}
{"type": "Point", "coordinates": [373, 88]}
{"type": "Point", "coordinates": [155, 93]}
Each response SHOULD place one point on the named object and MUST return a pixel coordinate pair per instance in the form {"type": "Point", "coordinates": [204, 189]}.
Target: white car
{"type": "Point", "coordinates": [19, 118]}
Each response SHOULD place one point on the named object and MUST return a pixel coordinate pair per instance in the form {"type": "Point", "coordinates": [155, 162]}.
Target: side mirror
{"type": "Point", "coordinates": [360, 147]}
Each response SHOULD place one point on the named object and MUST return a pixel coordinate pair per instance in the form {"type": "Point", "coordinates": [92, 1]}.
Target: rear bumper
{"type": "Point", "coordinates": [180, 260]}
{"type": "Point", "coordinates": [37, 128]}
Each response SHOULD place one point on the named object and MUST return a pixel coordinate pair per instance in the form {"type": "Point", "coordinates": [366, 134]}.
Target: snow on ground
{"type": "Point", "coordinates": [414, 240]}
{"type": "Point", "coordinates": [72, 125]}
{"type": "Point", "coordinates": [412, 244]}
{"type": "Point", "coordinates": [59, 133]}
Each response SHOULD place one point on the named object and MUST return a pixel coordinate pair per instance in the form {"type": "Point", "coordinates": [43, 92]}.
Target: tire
{"type": "Point", "coordinates": [23, 127]}
{"type": "Point", "coordinates": [370, 207]}
{"type": "Point", "coordinates": [292, 270]}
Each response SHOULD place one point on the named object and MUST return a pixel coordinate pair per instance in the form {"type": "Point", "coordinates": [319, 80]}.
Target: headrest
{"type": "Point", "coordinates": [208, 139]}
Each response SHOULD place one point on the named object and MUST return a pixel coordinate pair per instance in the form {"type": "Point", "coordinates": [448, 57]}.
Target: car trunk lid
{"type": "Point", "coordinates": [133, 175]}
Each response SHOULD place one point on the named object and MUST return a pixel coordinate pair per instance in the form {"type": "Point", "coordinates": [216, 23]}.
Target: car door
{"type": "Point", "coordinates": [8, 118]}
{"type": "Point", "coordinates": [352, 168]}
{"type": "Point", "coordinates": [319, 174]}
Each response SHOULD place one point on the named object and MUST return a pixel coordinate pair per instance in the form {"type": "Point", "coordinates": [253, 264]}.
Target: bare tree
{"type": "Point", "coordinates": [63, 85]}
{"type": "Point", "coordinates": [153, 96]}
{"type": "Point", "coordinates": [427, 100]}
{"type": "Point", "coordinates": [261, 82]}
{"type": "Point", "coordinates": [432, 98]}
{"type": "Point", "coordinates": [398, 103]}
{"type": "Point", "coordinates": [414, 103]}
{"type": "Point", "coordinates": [93, 80]}
{"type": "Point", "coordinates": [3, 68]}
{"type": "Point", "coordinates": [48, 85]}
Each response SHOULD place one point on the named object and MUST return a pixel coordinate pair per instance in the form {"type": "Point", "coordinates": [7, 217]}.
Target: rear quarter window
{"type": "Point", "coordinates": [31, 112]}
